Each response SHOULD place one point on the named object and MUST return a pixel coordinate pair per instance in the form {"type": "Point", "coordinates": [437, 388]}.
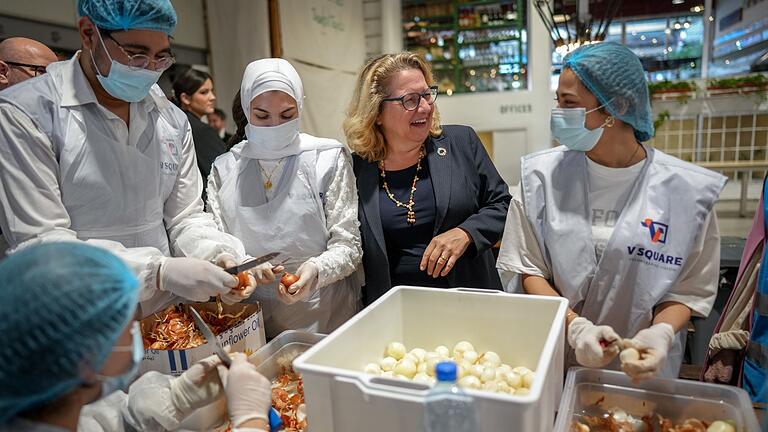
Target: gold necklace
{"type": "Point", "coordinates": [633, 156]}
{"type": "Point", "coordinates": [410, 217]}
{"type": "Point", "coordinates": [268, 183]}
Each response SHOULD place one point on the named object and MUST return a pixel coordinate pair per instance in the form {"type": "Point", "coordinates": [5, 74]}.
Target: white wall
{"type": "Point", "coordinates": [519, 120]}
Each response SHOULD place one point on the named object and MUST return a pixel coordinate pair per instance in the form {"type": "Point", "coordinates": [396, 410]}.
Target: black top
{"type": "Point", "coordinates": [406, 243]}
{"type": "Point", "coordinates": [208, 146]}
{"type": "Point", "coordinates": [469, 193]}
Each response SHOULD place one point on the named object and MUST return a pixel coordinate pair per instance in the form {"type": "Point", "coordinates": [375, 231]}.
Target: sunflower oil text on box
{"type": "Point", "coordinates": [248, 335]}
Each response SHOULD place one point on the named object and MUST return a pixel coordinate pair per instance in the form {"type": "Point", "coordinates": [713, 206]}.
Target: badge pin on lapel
{"type": "Point", "coordinates": [442, 151]}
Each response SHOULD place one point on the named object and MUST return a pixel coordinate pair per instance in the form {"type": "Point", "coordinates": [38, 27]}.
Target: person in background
{"type": "Point", "coordinates": [290, 192]}
{"type": "Point", "coordinates": [218, 121]}
{"type": "Point", "coordinates": [22, 59]}
{"type": "Point", "coordinates": [93, 150]}
{"type": "Point", "coordinates": [193, 91]}
{"type": "Point", "coordinates": [431, 202]}
{"type": "Point", "coordinates": [79, 302]}
{"type": "Point", "coordinates": [626, 233]}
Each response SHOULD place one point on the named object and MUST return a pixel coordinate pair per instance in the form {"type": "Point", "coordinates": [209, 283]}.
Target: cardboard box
{"type": "Point", "coordinates": [249, 334]}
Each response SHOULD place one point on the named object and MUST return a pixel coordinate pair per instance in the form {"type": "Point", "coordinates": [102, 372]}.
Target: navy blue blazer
{"type": "Point", "coordinates": [469, 193]}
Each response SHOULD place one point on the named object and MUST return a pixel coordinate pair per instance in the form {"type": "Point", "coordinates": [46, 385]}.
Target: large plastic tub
{"type": "Point", "coordinates": [677, 400]}
{"type": "Point", "coordinates": [524, 330]}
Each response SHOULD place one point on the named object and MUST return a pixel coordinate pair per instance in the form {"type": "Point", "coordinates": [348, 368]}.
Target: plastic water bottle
{"type": "Point", "coordinates": [449, 409]}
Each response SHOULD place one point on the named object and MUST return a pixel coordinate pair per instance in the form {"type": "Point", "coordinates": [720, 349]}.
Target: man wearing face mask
{"type": "Point", "coordinates": [94, 151]}
{"type": "Point", "coordinates": [71, 344]}
{"type": "Point", "coordinates": [626, 233]}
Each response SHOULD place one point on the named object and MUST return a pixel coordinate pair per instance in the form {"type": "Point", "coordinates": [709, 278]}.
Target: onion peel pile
{"type": "Point", "coordinates": [174, 328]}
{"type": "Point", "coordinates": [288, 400]}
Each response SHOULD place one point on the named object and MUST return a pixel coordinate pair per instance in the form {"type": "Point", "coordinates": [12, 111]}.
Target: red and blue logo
{"type": "Point", "coordinates": [657, 230]}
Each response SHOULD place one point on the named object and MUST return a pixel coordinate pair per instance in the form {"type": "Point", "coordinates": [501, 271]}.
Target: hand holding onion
{"type": "Point", "coordinates": [298, 287]}
{"type": "Point", "coordinates": [245, 281]}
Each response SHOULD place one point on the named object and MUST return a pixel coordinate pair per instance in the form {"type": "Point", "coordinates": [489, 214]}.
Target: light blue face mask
{"type": "Point", "coordinates": [113, 383]}
{"type": "Point", "coordinates": [567, 126]}
{"type": "Point", "coordinates": [123, 82]}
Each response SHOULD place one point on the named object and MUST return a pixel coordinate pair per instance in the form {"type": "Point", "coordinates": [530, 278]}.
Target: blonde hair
{"type": "Point", "coordinates": [364, 136]}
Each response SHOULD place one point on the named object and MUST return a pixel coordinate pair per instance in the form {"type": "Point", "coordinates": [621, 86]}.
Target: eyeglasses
{"type": "Point", "coordinates": [411, 101]}
{"type": "Point", "coordinates": [141, 61]}
{"type": "Point", "coordinates": [34, 70]}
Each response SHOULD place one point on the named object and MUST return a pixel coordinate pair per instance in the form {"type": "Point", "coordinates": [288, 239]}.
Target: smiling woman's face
{"type": "Point", "coordinates": [398, 124]}
{"type": "Point", "coordinates": [273, 108]}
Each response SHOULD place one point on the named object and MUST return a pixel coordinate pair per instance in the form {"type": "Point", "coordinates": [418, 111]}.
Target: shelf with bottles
{"type": "Point", "coordinates": [428, 14]}
{"type": "Point", "coordinates": [494, 79]}
{"type": "Point", "coordinates": [486, 35]}
{"type": "Point", "coordinates": [484, 15]}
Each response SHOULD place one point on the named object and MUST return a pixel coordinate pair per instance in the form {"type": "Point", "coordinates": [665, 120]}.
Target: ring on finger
{"type": "Point", "coordinates": [442, 259]}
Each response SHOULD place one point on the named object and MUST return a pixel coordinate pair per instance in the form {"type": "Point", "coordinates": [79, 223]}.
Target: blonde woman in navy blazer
{"type": "Point", "coordinates": [431, 202]}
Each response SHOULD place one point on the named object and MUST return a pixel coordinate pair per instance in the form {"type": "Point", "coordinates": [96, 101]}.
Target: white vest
{"type": "Point", "coordinates": [651, 241]}
{"type": "Point", "coordinates": [292, 223]}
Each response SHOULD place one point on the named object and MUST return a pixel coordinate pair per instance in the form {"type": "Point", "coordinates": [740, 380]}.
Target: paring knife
{"type": "Point", "coordinates": [251, 263]}
{"type": "Point", "coordinates": [209, 336]}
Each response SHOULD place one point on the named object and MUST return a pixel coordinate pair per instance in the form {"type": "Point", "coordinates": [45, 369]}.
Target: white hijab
{"type": "Point", "coordinates": [274, 142]}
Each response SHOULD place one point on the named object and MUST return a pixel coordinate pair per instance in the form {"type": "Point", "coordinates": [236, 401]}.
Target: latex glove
{"type": "Point", "coordinates": [584, 337]}
{"type": "Point", "coordinates": [249, 394]}
{"type": "Point", "coordinates": [194, 279]}
{"type": "Point", "coordinates": [198, 386]}
{"type": "Point", "coordinates": [267, 273]}
{"type": "Point", "coordinates": [239, 294]}
{"type": "Point", "coordinates": [302, 288]}
{"type": "Point", "coordinates": [653, 344]}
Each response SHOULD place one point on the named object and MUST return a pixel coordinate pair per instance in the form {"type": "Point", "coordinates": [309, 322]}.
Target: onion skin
{"type": "Point", "coordinates": [289, 279]}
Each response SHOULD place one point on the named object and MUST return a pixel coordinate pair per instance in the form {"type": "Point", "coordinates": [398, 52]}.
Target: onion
{"type": "Point", "coordinates": [502, 386]}
{"type": "Point", "coordinates": [470, 356]}
{"type": "Point", "coordinates": [442, 351]}
{"type": "Point", "coordinates": [629, 355]}
{"type": "Point", "coordinates": [490, 386]}
{"type": "Point", "coordinates": [396, 350]}
{"type": "Point", "coordinates": [421, 378]}
{"type": "Point", "coordinates": [522, 392]}
{"type": "Point", "coordinates": [288, 279]}
{"type": "Point", "coordinates": [528, 379]}
{"type": "Point", "coordinates": [470, 381]}
{"type": "Point", "coordinates": [476, 370]}
{"type": "Point", "coordinates": [514, 380]}
{"type": "Point", "coordinates": [491, 358]}
{"type": "Point", "coordinates": [387, 364]}
{"type": "Point", "coordinates": [721, 426]}
{"type": "Point", "coordinates": [419, 353]}
{"type": "Point", "coordinates": [521, 370]}
{"type": "Point", "coordinates": [489, 374]}
{"type": "Point", "coordinates": [406, 368]}
{"type": "Point", "coordinates": [460, 348]}
{"type": "Point", "coordinates": [372, 369]}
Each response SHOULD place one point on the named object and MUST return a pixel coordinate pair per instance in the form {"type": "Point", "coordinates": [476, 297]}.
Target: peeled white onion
{"type": "Point", "coordinates": [490, 358]}
{"type": "Point", "coordinates": [721, 426]}
{"type": "Point", "coordinates": [460, 348]}
{"type": "Point", "coordinates": [372, 369]}
{"type": "Point", "coordinates": [489, 374]}
{"type": "Point", "coordinates": [522, 392]}
{"type": "Point", "coordinates": [476, 370]}
{"type": "Point", "coordinates": [421, 378]}
{"type": "Point", "coordinates": [490, 386]}
{"type": "Point", "coordinates": [405, 367]}
{"type": "Point", "coordinates": [432, 364]}
{"type": "Point", "coordinates": [470, 381]}
{"type": "Point", "coordinates": [629, 354]}
{"type": "Point", "coordinates": [388, 374]}
{"type": "Point", "coordinates": [421, 368]}
{"type": "Point", "coordinates": [471, 356]}
{"type": "Point", "coordinates": [528, 379]}
{"type": "Point", "coordinates": [521, 370]}
{"type": "Point", "coordinates": [442, 351]}
{"type": "Point", "coordinates": [387, 363]}
{"type": "Point", "coordinates": [412, 358]}
{"type": "Point", "coordinates": [514, 380]}
{"type": "Point", "coordinates": [419, 353]}
{"type": "Point", "coordinates": [502, 386]}
{"type": "Point", "coordinates": [396, 350]}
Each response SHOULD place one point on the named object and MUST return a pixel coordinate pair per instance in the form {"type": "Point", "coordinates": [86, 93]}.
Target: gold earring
{"type": "Point", "coordinates": [610, 121]}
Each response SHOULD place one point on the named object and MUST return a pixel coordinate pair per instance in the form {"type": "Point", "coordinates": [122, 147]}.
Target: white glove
{"type": "Point", "coordinates": [249, 394]}
{"type": "Point", "coordinates": [302, 288]}
{"type": "Point", "coordinates": [266, 273]}
{"type": "Point", "coordinates": [199, 386]}
{"type": "Point", "coordinates": [226, 260]}
{"type": "Point", "coordinates": [585, 337]}
{"type": "Point", "coordinates": [653, 344]}
{"type": "Point", "coordinates": [194, 279]}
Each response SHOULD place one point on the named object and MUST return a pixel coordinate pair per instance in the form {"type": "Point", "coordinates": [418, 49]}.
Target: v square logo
{"type": "Point", "coordinates": [658, 230]}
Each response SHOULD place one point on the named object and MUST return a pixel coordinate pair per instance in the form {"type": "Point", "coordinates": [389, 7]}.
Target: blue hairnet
{"type": "Point", "coordinates": [62, 308]}
{"type": "Point", "coordinates": [614, 74]}
{"type": "Point", "coordinates": [130, 14]}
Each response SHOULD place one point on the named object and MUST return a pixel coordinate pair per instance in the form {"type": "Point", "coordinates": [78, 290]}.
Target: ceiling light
{"type": "Point", "coordinates": [676, 2]}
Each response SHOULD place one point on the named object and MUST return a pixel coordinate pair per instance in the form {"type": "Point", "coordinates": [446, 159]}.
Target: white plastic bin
{"type": "Point", "coordinates": [524, 330]}
{"type": "Point", "coordinates": [677, 400]}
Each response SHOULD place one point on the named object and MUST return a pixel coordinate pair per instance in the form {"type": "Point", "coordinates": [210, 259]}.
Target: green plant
{"type": "Point", "coordinates": [682, 87]}
{"type": "Point", "coordinates": [660, 119]}
{"type": "Point", "coordinates": [757, 80]}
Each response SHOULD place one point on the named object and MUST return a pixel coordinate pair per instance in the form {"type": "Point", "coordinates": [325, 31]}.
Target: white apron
{"type": "Point", "coordinates": [651, 241]}
{"type": "Point", "coordinates": [114, 190]}
{"type": "Point", "coordinates": [292, 223]}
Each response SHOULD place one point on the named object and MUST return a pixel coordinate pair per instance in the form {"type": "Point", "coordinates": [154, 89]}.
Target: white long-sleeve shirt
{"type": "Point", "coordinates": [37, 120]}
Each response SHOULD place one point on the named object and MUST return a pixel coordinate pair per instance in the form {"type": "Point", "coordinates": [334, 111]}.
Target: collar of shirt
{"type": "Point", "coordinates": [76, 90]}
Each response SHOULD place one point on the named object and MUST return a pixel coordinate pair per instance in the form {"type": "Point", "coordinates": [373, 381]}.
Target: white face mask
{"type": "Point", "coordinates": [273, 137]}
{"type": "Point", "coordinates": [568, 128]}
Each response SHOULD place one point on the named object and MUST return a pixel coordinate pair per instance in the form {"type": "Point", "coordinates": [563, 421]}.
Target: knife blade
{"type": "Point", "coordinates": [251, 263]}
{"type": "Point", "coordinates": [209, 336]}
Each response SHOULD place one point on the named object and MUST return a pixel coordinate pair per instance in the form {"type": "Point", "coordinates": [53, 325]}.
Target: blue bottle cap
{"type": "Point", "coordinates": [446, 371]}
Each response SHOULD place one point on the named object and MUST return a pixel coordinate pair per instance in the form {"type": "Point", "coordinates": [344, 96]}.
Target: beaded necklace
{"type": "Point", "coordinates": [410, 217]}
